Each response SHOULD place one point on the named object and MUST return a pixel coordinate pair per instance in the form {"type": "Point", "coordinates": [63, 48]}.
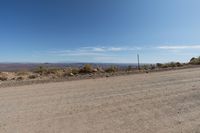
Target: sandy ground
{"type": "Point", "coordinates": [163, 102]}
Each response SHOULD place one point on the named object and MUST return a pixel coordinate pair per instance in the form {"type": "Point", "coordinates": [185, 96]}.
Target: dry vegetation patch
{"type": "Point", "coordinates": [87, 70]}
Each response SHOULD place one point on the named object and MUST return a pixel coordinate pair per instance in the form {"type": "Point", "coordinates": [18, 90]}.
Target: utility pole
{"type": "Point", "coordinates": [138, 58]}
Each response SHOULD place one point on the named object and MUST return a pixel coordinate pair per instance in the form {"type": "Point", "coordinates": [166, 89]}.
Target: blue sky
{"type": "Point", "coordinates": [99, 30]}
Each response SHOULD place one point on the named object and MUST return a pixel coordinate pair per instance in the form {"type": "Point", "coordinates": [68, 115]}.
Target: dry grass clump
{"type": "Point", "coordinates": [87, 68]}
{"type": "Point", "coordinates": [41, 70]}
{"type": "Point", "coordinates": [111, 69]}
{"type": "Point", "coordinates": [75, 71]}
{"type": "Point", "coordinates": [100, 69]}
{"type": "Point", "coordinates": [70, 72]}
{"type": "Point", "coordinates": [3, 76]}
{"type": "Point", "coordinates": [22, 73]}
{"type": "Point", "coordinates": [44, 71]}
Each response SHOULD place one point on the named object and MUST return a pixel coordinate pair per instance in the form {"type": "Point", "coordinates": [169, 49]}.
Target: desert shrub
{"type": "Point", "coordinates": [100, 69]}
{"type": "Point", "coordinates": [3, 78]}
{"type": "Point", "coordinates": [20, 78]}
{"type": "Point", "coordinates": [165, 65]}
{"type": "Point", "coordinates": [86, 69]}
{"type": "Point", "coordinates": [49, 71]}
{"type": "Point", "coordinates": [75, 71]}
{"type": "Point", "coordinates": [152, 67]}
{"type": "Point", "coordinates": [129, 68]}
{"type": "Point", "coordinates": [41, 70]}
{"type": "Point", "coordinates": [145, 67]}
{"type": "Point", "coordinates": [178, 64]}
{"type": "Point", "coordinates": [52, 71]}
{"type": "Point", "coordinates": [22, 73]}
{"type": "Point", "coordinates": [70, 72]}
{"type": "Point", "coordinates": [170, 64]}
{"type": "Point", "coordinates": [195, 61]}
{"type": "Point", "coordinates": [32, 76]}
{"type": "Point", "coordinates": [111, 69]}
{"type": "Point", "coordinates": [175, 64]}
{"type": "Point", "coordinates": [159, 65]}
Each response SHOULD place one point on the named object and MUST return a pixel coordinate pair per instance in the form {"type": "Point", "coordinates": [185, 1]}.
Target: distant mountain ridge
{"type": "Point", "coordinates": [31, 66]}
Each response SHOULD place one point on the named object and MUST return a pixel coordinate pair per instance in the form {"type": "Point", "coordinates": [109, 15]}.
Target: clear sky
{"type": "Point", "coordinates": [99, 30]}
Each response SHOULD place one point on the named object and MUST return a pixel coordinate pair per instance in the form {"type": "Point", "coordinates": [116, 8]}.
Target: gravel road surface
{"type": "Point", "coordinates": [162, 102]}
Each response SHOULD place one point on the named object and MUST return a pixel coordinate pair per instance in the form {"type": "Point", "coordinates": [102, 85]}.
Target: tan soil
{"type": "Point", "coordinates": [162, 102]}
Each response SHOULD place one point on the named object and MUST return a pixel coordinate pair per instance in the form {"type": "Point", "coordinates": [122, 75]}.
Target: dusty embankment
{"type": "Point", "coordinates": [162, 102]}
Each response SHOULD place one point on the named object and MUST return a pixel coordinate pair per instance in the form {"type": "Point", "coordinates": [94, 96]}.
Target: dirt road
{"type": "Point", "coordinates": [163, 102]}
